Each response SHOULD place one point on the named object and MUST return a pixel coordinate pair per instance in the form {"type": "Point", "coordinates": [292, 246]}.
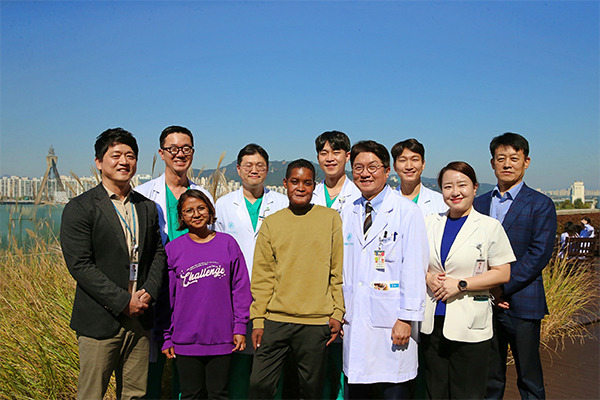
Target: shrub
{"type": "Point", "coordinates": [572, 297]}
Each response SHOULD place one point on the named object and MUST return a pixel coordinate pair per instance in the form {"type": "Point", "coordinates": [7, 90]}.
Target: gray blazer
{"type": "Point", "coordinates": [95, 251]}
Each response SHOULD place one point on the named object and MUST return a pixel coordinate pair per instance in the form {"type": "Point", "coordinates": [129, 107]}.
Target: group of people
{"type": "Point", "coordinates": [346, 283]}
{"type": "Point", "coordinates": [574, 230]}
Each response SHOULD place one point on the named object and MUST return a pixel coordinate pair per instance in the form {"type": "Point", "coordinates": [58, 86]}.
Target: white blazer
{"type": "Point", "coordinates": [399, 230]}
{"type": "Point", "coordinates": [469, 314]}
{"type": "Point", "coordinates": [156, 191]}
{"type": "Point", "coordinates": [233, 218]}
{"type": "Point", "coordinates": [347, 195]}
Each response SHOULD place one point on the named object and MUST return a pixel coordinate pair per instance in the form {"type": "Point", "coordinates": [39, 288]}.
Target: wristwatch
{"type": "Point", "coordinates": [462, 285]}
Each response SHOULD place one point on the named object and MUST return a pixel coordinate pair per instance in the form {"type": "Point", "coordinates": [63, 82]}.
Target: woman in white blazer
{"type": "Point", "coordinates": [469, 254]}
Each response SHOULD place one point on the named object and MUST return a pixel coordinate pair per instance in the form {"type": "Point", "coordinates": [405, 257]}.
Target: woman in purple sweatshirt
{"type": "Point", "coordinates": [209, 297]}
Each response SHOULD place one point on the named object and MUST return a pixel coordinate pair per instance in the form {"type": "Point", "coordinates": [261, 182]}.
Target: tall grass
{"type": "Point", "coordinates": [572, 295]}
{"type": "Point", "coordinates": [39, 350]}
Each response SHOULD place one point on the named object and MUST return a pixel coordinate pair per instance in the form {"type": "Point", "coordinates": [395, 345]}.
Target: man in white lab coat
{"type": "Point", "coordinates": [336, 190]}
{"type": "Point", "coordinates": [385, 260]}
{"type": "Point", "coordinates": [177, 151]}
{"type": "Point", "coordinates": [409, 164]}
{"type": "Point", "coordinates": [240, 214]}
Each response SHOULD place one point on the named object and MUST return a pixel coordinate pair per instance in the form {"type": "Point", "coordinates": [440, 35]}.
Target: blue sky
{"type": "Point", "coordinates": [451, 74]}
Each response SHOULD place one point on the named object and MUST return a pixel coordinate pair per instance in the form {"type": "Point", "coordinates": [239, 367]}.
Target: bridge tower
{"type": "Point", "coordinates": [44, 193]}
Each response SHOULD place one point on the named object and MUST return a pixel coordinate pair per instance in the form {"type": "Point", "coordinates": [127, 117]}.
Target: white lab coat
{"type": "Point", "coordinates": [347, 195]}
{"type": "Point", "coordinates": [430, 201]}
{"type": "Point", "coordinates": [233, 218]}
{"type": "Point", "coordinates": [156, 191]}
{"type": "Point", "coordinates": [398, 228]}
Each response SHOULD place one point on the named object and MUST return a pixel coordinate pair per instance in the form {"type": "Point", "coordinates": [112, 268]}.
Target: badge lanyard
{"type": "Point", "coordinates": [341, 201]}
{"type": "Point", "coordinates": [133, 265]}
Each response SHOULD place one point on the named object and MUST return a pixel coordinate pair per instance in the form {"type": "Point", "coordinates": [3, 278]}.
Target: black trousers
{"type": "Point", "coordinates": [307, 343]}
{"type": "Point", "coordinates": [523, 335]}
{"type": "Point", "coordinates": [204, 377]}
{"type": "Point", "coordinates": [384, 390]}
{"type": "Point", "coordinates": [454, 370]}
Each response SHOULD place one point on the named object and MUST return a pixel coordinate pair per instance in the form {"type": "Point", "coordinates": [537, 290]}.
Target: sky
{"type": "Point", "coordinates": [452, 74]}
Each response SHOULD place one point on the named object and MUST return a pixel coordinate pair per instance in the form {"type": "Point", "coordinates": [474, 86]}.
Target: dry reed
{"type": "Point", "coordinates": [571, 287]}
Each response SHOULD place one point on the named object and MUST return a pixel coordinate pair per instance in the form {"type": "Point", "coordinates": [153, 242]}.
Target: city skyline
{"type": "Point", "coordinates": [452, 74]}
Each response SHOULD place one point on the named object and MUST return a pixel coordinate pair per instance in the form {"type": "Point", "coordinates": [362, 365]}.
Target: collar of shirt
{"type": "Point", "coordinates": [508, 195]}
{"type": "Point", "coordinates": [501, 204]}
{"type": "Point", "coordinates": [376, 202]}
{"type": "Point", "coordinates": [113, 196]}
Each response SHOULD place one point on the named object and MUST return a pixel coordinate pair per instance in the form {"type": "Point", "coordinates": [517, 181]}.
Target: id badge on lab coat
{"type": "Point", "coordinates": [379, 260]}
{"type": "Point", "coordinates": [480, 267]}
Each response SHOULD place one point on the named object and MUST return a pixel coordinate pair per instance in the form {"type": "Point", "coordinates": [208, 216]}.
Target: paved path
{"type": "Point", "coordinates": [573, 373]}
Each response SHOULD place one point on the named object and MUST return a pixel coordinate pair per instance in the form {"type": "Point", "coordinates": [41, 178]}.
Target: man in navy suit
{"type": "Point", "coordinates": [529, 219]}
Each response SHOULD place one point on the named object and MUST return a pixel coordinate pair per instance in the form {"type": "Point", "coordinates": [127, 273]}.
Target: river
{"type": "Point", "coordinates": [16, 219]}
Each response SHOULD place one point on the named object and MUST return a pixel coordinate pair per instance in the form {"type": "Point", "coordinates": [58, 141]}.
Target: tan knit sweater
{"type": "Point", "coordinates": [297, 269]}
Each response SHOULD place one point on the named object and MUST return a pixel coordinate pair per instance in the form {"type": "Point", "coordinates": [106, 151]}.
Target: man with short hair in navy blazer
{"type": "Point", "coordinates": [529, 219]}
{"type": "Point", "coordinates": [111, 244]}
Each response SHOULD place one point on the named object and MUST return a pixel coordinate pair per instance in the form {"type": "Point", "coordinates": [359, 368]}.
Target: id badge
{"type": "Point", "coordinates": [133, 271]}
{"type": "Point", "coordinates": [380, 260]}
{"type": "Point", "coordinates": [480, 267]}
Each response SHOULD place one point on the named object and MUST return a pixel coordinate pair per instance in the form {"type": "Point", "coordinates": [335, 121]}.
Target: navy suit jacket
{"type": "Point", "coordinates": [531, 228]}
{"type": "Point", "coordinates": [96, 254]}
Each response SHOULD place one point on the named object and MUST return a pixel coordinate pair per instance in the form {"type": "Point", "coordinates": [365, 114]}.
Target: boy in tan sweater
{"type": "Point", "coordinates": [296, 287]}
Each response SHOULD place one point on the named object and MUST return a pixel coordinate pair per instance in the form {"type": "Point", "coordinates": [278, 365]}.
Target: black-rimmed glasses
{"type": "Point", "coordinates": [174, 150]}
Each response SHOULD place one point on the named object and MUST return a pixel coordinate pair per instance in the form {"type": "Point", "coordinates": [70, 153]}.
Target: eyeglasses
{"type": "Point", "coordinates": [191, 211]}
{"type": "Point", "coordinates": [174, 150]}
{"type": "Point", "coordinates": [359, 168]}
{"type": "Point", "coordinates": [260, 167]}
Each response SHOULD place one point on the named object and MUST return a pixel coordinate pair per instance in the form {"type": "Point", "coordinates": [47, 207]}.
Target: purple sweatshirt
{"type": "Point", "coordinates": [209, 295]}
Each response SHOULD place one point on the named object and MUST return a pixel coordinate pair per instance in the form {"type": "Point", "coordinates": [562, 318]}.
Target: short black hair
{"type": "Point", "coordinates": [461, 167]}
{"type": "Point", "coordinates": [510, 139]}
{"type": "Point", "coordinates": [337, 140]}
{"type": "Point", "coordinates": [200, 196]}
{"type": "Point", "coordinates": [411, 144]}
{"type": "Point", "coordinates": [174, 129]}
{"type": "Point", "coordinates": [587, 220]}
{"type": "Point", "coordinates": [370, 146]}
{"type": "Point", "coordinates": [299, 163]}
{"type": "Point", "coordinates": [250, 150]}
{"type": "Point", "coordinates": [113, 136]}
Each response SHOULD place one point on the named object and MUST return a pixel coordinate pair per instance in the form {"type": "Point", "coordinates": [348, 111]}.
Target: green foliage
{"type": "Point", "coordinates": [578, 205]}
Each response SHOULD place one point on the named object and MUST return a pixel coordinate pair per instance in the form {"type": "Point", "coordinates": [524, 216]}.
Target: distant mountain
{"type": "Point", "coordinates": [277, 173]}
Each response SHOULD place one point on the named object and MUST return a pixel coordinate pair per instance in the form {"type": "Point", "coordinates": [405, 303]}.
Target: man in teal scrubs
{"type": "Point", "coordinates": [177, 151]}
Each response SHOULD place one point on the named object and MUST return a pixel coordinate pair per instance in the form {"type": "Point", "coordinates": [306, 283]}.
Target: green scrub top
{"type": "Point", "coordinates": [172, 219]}
{"type": "Point", "coordinates": [253, 210]}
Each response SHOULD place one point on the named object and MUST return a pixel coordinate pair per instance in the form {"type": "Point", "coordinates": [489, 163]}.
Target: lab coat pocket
{"type": "Point", "coordinates": [383, 307]}
{"type": "Point", "coordinates": [347, 291]}
{"type": "Point", "coordinates": [481, 310]}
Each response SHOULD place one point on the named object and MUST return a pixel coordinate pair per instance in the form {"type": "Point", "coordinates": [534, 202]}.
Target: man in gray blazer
{"type": "Point", "coordinates": [112, 246]}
